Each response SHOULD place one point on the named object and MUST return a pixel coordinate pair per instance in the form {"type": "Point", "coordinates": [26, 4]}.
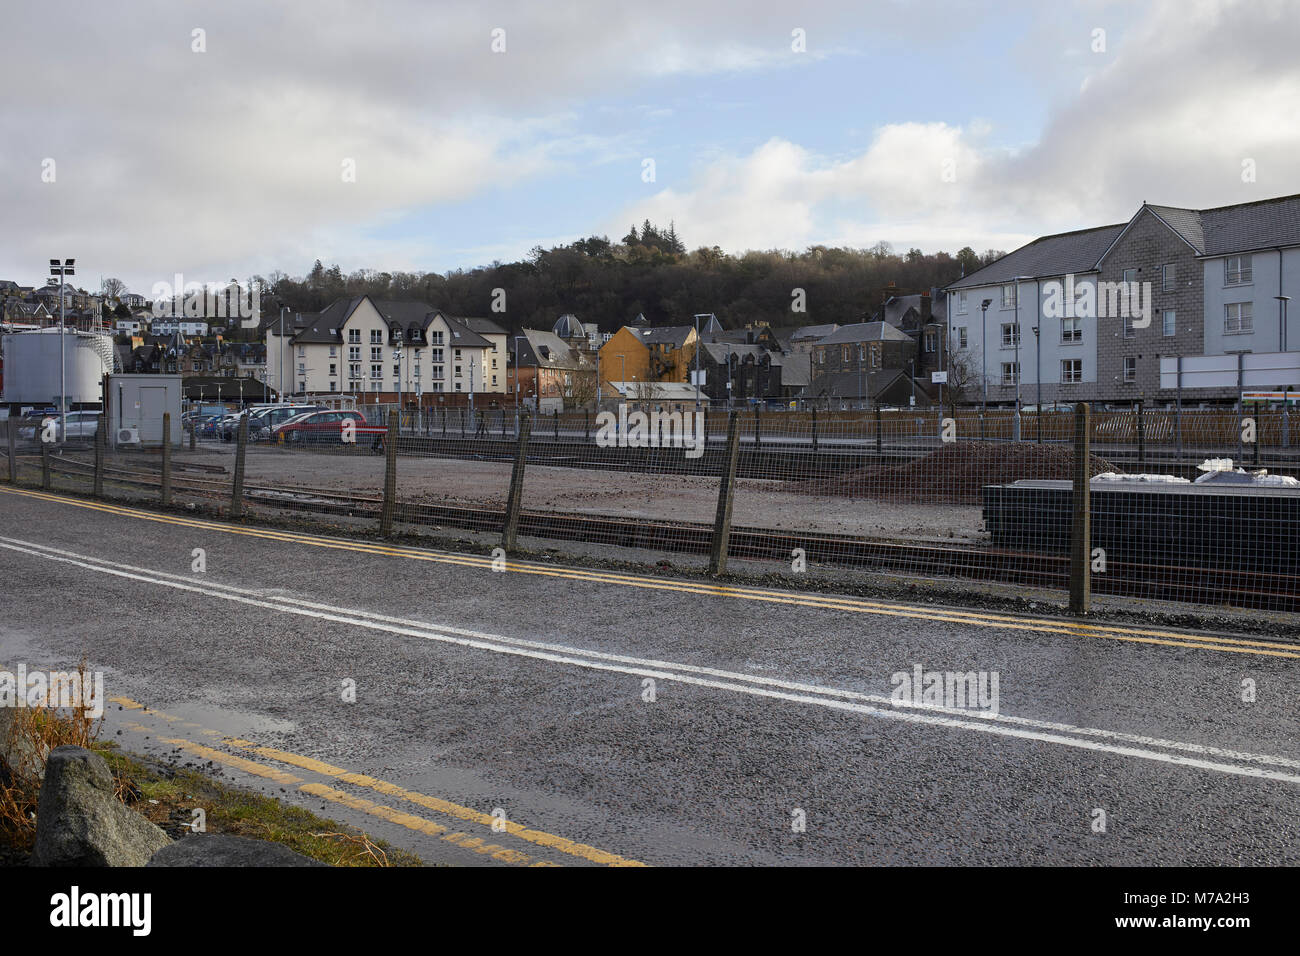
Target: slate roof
{"type": "Point", "coordinates": [547, 350]}
{"type": "Point", "coordinates": [865, 332]}
{"type": "Point", "coordinates": [1066, 252]}
{"type": "Point", "coordinates": [674, 335]}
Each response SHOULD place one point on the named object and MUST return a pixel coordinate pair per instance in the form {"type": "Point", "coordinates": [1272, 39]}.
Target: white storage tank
{"type": "Point", "coordinates": [32, 366]}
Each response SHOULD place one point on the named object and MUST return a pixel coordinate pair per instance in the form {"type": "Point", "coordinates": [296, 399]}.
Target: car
{"type": "Point", "coordinates": [328, 427]}
{"type": "Point", "coordinates": [263, 418]}
{"type": "Point", "coordinates": [74, 426]}
{"type": "Point", "coordinates": [206, 426]}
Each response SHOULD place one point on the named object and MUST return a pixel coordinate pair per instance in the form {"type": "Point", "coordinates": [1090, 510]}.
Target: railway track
{"type": "Point", "coordinates": [1140, 580]}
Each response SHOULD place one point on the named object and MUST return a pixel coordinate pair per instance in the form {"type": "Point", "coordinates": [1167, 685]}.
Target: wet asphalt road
{"type": "Point", "coordinates": [719, 762]}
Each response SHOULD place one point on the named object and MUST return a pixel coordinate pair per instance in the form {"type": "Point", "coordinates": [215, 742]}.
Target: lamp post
{"type": "Point", "coordinates": [984, 351]}
{"type": "Point", "coordinates": [397, 357]}
{"type": "Point", "coordinates": [696, 380]}
{"type": "Point", "coordinates": [1038, 378]}
{"type": "Point", "coordinates": [1015, 424]}
{"type": "Point", "coordinates": [1281, 328]}
{"type": "Point", "coordinates": [63, 269]}
{"type": "Point", "coordinates": [518, 370]}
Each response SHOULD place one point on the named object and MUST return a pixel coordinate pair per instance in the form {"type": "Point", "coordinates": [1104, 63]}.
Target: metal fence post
{"type": "Point", "coordinates": [880, 447]}
{"type": "Point", "coordinates": [237, 492]}
{"type": "Point", "coordinates": [1141, 434]}
{"type": "Point", "coordinates": [510, 528]}
{"type": "Point", "coordinates": [192, 430]}
{"type": "Point", "coordinates": [814, 429]}
{"type": "Point", "coordinates": [726, 495]}
{"type": "Point", "coordinates": [758, 427]}
{"type": "Point", "coordinates": [45, 462]}
{"type": "Point", "coordinates": [1081, 525]}
{"type": "Point", "coordinates": [165, 485]}
{"type": "Point", "coordinates": [390, 476]}
{"type": "Point", "coordinates": [101, 443]}
{"type": "Point", "coordinates": [13, 450]}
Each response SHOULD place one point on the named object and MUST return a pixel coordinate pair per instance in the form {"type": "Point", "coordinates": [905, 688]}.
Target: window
{"type": "Point", "coordinates": [1010, 372]}
{"type": "Point", "coordinates": [1130, 368]}
{"type": "Point", "coordinates": [397, 370]}
{"type": "Point", "coordinates": [960, 335]}
{"type": "Point", "coordinates": [435, 338]}
{"type": "Point", "coordinates": [844, 353]}
{"type": "Point", "coordinates": [1130, 276]}
{"type": "Point", "coordinates": [302, 386]}
{"type": "Point", "coordinates": [354, 371]}
{"type": "Point", "coordinates": [457, 353]}
{"type": "Point", "coordinates": [1167, 277]}
{"type": "Point", "coordinates": [821, 356]}
{"type": "Point", "coordinates": [435, 355]}
{"type": "Point", "coordinates": [1238, 318]}
{"type": "Point", "coordinates": [1129, 331]}
{"type": "Point", "coordinates": [1170, 322]}
{"type": "Point", "coordinates": [354, 335]}
{"type": "Point", "coordinates": [1071, 331]}
{"type": "Point", "coordinates": [376, 336]}
{"type": "Point", "coordinates": [1010, 334]}
{"type": "Point", "coordinates": [334, 386]}
{"type": "Point", "coordinates": [1071, 371]}
{"type": "Point", "coordinates": [961, 302]}
{"type": "Point", "coordinates": [1009, 296]}
{"type": "Point", "coordinates": [494, 380]}
{"type": "Point", "coordinates": [458, 373]}
{"type": "Point", "coordinates": [332, 351]}
{"type": "Point", "coordinates": [932, 341]}
{"type": "Point", "coordinates": [1237, 270]}
{"type": "Point", "coordinates": [376, 371]}
{"type": "Point", "coordinates": [377, 354]}
{"type": "Point", "coordinates": [334, 369]}
{"type": "Point", "coordinates": [354, 353]}
{"type": "Point", "coordinates": [875, 356]}
{"type": "Point", "coordinates": [862, 353]}
{"type": "Point", "coordinates": [302, 350]}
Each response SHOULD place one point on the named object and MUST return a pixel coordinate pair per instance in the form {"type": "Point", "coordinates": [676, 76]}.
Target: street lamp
{"type": "Point", "coordinates": [63, 270]}
{"type": "Point", "coordinates": [397, 357]}
{"type": "Point", "coordinates": [1281, 329]}
{"type": "Point", "coordinates": [1038, 376]}
{"type": "Point", "coordinates": [1016, 421]}
{"type": "Point", "coordinates": [696, 382]}
{"type": "Point", "coordinates": [984, 351]}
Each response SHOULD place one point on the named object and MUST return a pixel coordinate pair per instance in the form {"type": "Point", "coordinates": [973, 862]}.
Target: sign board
{"type": "Point", "coordinates": [1260, 370]}
{"type": "Point", "coordinates": [698, 376]}
{"type": "Point", "coordinates": [1290, 397]}
{"type": "Point", "coordinates": [938, 378]}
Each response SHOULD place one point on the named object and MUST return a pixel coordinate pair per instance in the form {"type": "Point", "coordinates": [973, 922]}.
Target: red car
{"type": "Point", "coordinates": [331, 427]}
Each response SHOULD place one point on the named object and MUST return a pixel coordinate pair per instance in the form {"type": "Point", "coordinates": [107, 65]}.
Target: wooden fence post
{"type": "Point", "coordinates": [237, 491]}
{"type": "Point", "coordinates": [726, 496]}
{"type": "Point", "coordinates": [510, 528]}
{"type": "Point", "coordinates": [390, 476]}
{"type": "Point", "coordinates": [165, 484]}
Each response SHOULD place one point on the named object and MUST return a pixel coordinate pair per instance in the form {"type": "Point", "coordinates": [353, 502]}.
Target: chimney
{"type": "Point", "coordinates": [925, 307]}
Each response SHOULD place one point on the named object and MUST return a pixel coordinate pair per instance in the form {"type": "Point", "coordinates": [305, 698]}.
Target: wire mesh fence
{"type": "Point", "coordinates": [1198, 506]}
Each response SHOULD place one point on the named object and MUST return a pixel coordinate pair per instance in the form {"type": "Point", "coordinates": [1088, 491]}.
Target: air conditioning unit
{"type": "Point", "coordinates": [128, 436]}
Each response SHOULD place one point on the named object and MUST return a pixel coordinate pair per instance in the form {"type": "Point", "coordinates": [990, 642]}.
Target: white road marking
{"type": "Point", "coordinates": [790, 691]}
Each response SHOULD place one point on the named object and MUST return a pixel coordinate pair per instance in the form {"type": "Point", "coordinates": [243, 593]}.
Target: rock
{"type": "Point", "coordinates": [79, 822]}
{"type": "Point", "coordinates": [220, 849]}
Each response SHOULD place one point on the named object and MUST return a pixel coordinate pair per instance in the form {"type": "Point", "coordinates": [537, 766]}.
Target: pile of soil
{"type": "Point", "coordinates": [954, 474]}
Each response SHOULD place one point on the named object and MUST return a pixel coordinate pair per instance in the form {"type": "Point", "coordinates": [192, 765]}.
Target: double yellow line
{"type": "Point", "coordinates": [1003, 622]}
{"type": "Point", "coordinates": [410, 821]}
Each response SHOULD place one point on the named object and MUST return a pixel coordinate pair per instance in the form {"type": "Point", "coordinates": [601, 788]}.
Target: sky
{"type": "Point", "coordinates": [230, 139]}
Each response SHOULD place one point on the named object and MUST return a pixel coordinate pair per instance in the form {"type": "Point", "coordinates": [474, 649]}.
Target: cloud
{"type": "Point", "coordinates": [1169, 116]}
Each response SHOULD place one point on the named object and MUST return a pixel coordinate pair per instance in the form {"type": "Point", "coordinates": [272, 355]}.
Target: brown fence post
{"type": "Point", "coordinates": [390, 476]}
{"type": "Point", "coordinates": [13, 450]}
{"type": "Point", "coordinates": [814, 429]}
{"type": "Point", "coordinates": [1081, 525]}
{"type": "Point", "coordinates": [510, 528]}
{"type": "Point", "coordinates": [880, 447]}
{"type": "Point", "coordinates": [237, 492]}
{"type": "Point", "coordinates": [758, 427]}
{"type": "Point", "coordinates": [166, 483]}
{"type": "Point", "coordinates": [726, 495]}
{"type": "Point", "coordinates": [101, 442]}
{"type": "Point", "coordinates": [192, 430]}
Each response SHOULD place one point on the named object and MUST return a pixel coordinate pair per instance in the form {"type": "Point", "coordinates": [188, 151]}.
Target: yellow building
{"type": "Point", "coordinates": [647, 355]}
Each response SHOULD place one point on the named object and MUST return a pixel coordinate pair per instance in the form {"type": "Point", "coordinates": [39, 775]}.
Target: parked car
{"type": "Point", "coordinates": [328, 427]}
{"type": "Point", "coordinates": [75, 426]}
{"type": "Point", "coordinates": [264, 420]}
{"type": "Point", "coordinates": [206, 426]}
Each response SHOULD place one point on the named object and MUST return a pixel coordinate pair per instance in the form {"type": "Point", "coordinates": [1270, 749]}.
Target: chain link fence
{"type": "Point", "coordinates": [1198, 506]}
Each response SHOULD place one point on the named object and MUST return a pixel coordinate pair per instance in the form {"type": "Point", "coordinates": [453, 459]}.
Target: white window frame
{"type": "Point", "coordinates": [1071, 331]}
{"type": "Point", "coordinates": [1239, 318]}
{"type": "Point", "coordinates": [1071, 371]}
{"type": "Point", "coordinates": [1169, 322]}
{"type": "Point", "coordinates": [1010, 373]}
{"type": "Point", "coordinates": [1242, 273]}
{"type": "Point", "coordinates": [1130, 368]}
{"type": "Point", "coordinates": [1168, 277]}
{"type": "Point", "coordinates": [1011, 338]}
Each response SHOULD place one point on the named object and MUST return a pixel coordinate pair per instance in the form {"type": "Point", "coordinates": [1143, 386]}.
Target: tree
{"type": "Point", "coordinates": [112, 289]}
{"type": "Point", "coordinates": [969, 260]}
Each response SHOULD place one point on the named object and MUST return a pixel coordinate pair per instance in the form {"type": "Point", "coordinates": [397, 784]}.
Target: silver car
{"type": "Point", "coordinates": [74, 426]}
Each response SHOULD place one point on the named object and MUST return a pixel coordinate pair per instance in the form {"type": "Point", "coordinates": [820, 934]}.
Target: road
{"type": "Point", "coordinates": [504, 717]}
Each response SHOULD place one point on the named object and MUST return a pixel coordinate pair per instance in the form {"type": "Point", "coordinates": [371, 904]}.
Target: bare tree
{"type": "Point", "coordinates": [112, 290]}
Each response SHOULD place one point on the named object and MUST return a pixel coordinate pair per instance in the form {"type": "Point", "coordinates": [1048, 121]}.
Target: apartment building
{"type": "Point", "coordinates": [379, 350]}
{"type": "Point", "coordinates": [1089, 315]}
